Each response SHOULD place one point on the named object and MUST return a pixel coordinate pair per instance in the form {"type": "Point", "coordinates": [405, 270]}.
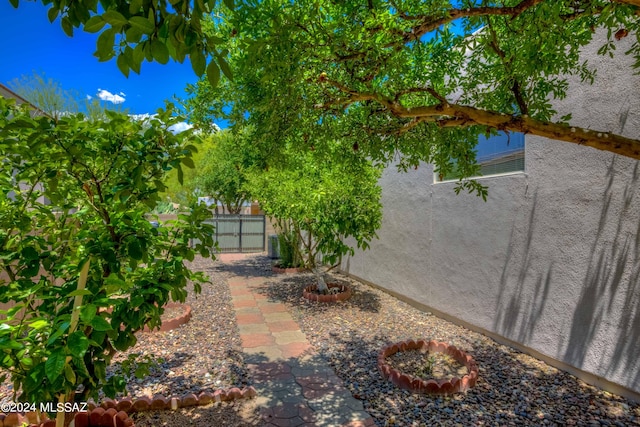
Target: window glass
{"type": "Point", "coordinates": [498, 154]}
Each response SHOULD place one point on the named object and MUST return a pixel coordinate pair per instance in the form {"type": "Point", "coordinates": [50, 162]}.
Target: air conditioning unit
{"type": "Point", "coordinates": [273, 249]}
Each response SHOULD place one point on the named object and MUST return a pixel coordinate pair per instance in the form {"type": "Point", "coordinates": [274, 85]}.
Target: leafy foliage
{"type": "Point", "coordinates": [82, 267]}
{"type": "Point", "coordinates": [320, 201]}
{"type": "Point", "coordinates": [411, 81]}
{"type": "Point", "coordinates": [224, 169]}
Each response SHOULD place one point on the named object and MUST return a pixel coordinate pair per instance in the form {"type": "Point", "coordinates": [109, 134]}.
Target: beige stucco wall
{"type": "Point", "coordinates": [551, 261]}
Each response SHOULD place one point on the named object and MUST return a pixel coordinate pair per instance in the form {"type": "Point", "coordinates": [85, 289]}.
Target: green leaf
{"type": "Point", "coordinates": [225, 67]}
{"type": "Point", "coordinates": [159, 51]}
{"type": "Point", "coordinates": [198, 62]}
{"type": "Point", "coordinates": [134, 6]}
{"type": "Point", "coordinates": [88, 312]}
{"type": "Point", "coordinates": [213, 75]}
{"type": "Point", "coordinates": [9, 344]}
{"type": "Point", "coordinates": [77, 292]}
{"type": "Point", "coordinates": [142, 24]}
{"type": "Point", "coordinates": [52, 13]}
{"type": "Point", "coordinates": [66, 26]}
{"type": "Point", "coordinates": [78, 344]}
{"type": "Point", "coordinates": [188, 162]}
{"type": "Point", "coordinates": [134, 249]}
{"type": "Point", "coordinates": [180, 175]}
{"type": "Point", "coordinates": [100, 369]}
{"type": "Point", "coordinates": [39, 324]}
{"type": "Point", "coordinates": [29, 253]}
{"type": "Point", "coordinates": [123, 66]}
{"type": "Point", "coordinates": [14, 3]}
{"type": "Point", "coordinates": [229, 4]}
{"type": "Point", "coordinates": [114, 18]}
{"type": "Point", "coordinates": [137, 58]}
{"type": "Point", "coordinates": [100, 324]}
{"type": "Point", "coordinates": [94, 24]}
{"type": "Point", "coordinates": [61, 330]}
{"type": "Point", "coordinates": [69, 374]}
{"type": "Point", "coordinates": [54, 365]}
{"type": "Point", "coordinates": [105, 43]}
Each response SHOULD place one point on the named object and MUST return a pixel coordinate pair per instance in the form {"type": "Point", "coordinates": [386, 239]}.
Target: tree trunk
{"type": "Point", "coordinates": [320, 283]}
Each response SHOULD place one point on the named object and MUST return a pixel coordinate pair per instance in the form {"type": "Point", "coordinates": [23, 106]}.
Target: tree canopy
{"type": "Point", "coordinates": [322, 198]}
{"type": "Point", "coordinates": [415, 81]}
{"type": "Point", "coordinates": [223, 172]}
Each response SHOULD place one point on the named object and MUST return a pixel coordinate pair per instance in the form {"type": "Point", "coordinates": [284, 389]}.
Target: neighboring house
{"type": "Point", "coordinates": [550, 264]}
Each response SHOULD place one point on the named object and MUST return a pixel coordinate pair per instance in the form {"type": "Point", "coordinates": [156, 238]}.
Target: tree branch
{"type": "Point", "coordinates": [430, 23]}
{"type": "Point", "coordinates": [454, 115]}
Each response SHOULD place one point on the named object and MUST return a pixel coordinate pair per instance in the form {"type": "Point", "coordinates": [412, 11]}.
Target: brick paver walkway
{"type": "Point", "coordinates": [295, 385]}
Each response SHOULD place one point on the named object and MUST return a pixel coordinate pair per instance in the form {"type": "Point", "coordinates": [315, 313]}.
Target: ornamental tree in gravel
{"type": "Point", "coordinates": [224, 168]}
{"type": "Point", "coordinates": [81, 267]}
{"type": "Point", "coordinates": [326, 197]}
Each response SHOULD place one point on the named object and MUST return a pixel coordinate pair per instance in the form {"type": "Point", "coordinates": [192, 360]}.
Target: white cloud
{"type": "Point", "coordinates": [180, 127]}
{"type": "Point", "coordinates": [105, 95]}
{"type": "Point", "coordinates": [89, 97]}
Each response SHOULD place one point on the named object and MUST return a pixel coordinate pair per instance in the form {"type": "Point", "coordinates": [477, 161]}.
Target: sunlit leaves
{"type": "Point", "coordinates": [57, 331]}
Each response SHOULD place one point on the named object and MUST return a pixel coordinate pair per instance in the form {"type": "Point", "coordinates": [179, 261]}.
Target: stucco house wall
{"type": "Point", "coordinates": [551, 262]}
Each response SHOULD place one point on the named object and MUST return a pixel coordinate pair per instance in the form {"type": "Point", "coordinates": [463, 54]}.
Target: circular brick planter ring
{"type": "Point", "coordinates": [174, 321]}
{"type": "Point", "coordinates": [418, 385]}
{"type": "Point", "coordinates": [338, 293]}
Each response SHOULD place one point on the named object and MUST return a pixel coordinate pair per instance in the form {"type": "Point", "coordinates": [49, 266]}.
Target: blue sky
{"type": "Point", "coordinates": [31, 44]}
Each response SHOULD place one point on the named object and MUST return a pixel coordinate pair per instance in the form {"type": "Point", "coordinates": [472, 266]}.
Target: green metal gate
{"type": "Point", "coordinates": [239, 233]}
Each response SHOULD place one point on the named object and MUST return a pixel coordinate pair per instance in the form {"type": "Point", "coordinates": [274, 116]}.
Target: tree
{"type": "Point", "coordinates": [81, 266]}
{"type": "Point", "coordinates": [321, 198]}
{"type": "Point", "coordinates": [53, 99]}
{"type": "Point", "coordinates": [415, 79]}
{"type": "Point", "coordinates": [223, 172]}
{"type": "Point", "coordinates": [418, 81]}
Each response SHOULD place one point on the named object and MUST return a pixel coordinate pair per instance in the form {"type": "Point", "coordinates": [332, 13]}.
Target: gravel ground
{"type": "Point", "coordinates": [513, 389]}
{"type": "Point", "coordinates": [204, 354]}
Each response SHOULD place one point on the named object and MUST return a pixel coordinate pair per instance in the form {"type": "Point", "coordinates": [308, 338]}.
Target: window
{"type": "Point", "coordinates": [496, 155]}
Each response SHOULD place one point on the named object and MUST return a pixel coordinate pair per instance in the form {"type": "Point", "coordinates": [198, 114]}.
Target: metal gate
{"type": "Point", "coordinates": [239, 233]}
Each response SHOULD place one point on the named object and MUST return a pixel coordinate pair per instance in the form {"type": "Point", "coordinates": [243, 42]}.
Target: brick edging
{"type": "Point", "coordinates": [345, 293]}
{"type": "Point", "coordinates": [176, 321]}
{"type": "Point", "coordinates": [418, 385]}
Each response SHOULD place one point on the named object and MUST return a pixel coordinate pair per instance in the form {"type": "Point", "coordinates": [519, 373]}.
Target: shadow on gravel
{"type": "Point", "coordinates": [251, 266]}
{"type": "Point", "coordinates": [288, 289]}
{"type": "Point", "coordinates": [229, 414]}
